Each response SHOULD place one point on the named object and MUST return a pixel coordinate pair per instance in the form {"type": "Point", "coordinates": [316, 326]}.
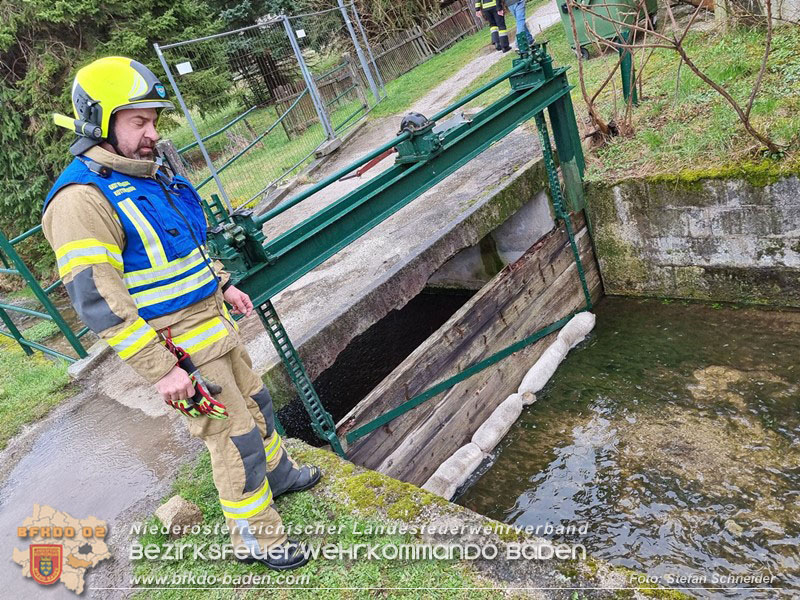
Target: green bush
{"type": "Point", "coordinates": [42, 45]}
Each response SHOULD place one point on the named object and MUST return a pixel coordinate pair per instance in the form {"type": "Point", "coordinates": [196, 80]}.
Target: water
{"type": "Point", "coordinates": [674, 432]}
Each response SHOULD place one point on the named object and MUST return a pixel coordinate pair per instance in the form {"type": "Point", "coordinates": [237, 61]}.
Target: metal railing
{"type": "Point", "coordinates": [282, 89]}
{"type": "Point", "coordinates": [14, 265]}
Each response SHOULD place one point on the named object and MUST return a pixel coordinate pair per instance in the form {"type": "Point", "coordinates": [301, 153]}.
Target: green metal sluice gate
{"type": "Point", "coordinates": [428, 150]}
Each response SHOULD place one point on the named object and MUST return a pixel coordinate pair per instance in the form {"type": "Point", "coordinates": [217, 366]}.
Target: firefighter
{"type": "Point", "coordinates": [493, 13]}
{"type": "Point", "coordinates": [130, 246]}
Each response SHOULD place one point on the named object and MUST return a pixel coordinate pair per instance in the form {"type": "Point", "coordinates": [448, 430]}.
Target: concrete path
{"type": "Point", "coordinates": [543, 17]}
{"type": "Point", "coordinates": [113, 450]}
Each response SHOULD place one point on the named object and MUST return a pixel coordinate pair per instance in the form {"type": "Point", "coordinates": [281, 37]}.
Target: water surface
{"type": "Point", "coordinates": [674, 431]}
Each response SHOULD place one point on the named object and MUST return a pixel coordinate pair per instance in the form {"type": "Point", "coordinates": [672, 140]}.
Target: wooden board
{"type": "Point", "coordinates": [538, 289]}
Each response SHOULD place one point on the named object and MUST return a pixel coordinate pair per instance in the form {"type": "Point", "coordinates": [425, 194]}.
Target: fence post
{"type": "Point", "coordinates": [359, 52]}
{"type": "Point", "coordinates": [170, 154]}
{"type": "Point", "coordinates": [356, 80]}
{"type": "Point", "coordinates": [476, 20]}
{"type": "Point", "coordinates": [196, 134]}
{"type": "Point", "coordinates": [369, 50]}
{"type": "Point", "coordinates": [309, 79]}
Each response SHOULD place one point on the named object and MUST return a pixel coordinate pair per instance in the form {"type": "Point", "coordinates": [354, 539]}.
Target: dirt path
{"type": "Point", "coordinates": [446, 92]}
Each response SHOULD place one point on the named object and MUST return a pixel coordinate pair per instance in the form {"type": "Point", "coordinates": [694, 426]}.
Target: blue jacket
{"type": "Point", "coordinates": [165, 267]}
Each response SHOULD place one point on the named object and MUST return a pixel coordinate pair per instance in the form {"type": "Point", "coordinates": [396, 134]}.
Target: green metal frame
{"type": "Point", "coordinates": [42, 295]}
{"type": "Point", "coordinates": [263, 267]}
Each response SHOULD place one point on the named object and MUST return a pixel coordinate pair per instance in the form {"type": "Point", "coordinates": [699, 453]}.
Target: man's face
{"type": "Point", "coordinates": [136, 132]}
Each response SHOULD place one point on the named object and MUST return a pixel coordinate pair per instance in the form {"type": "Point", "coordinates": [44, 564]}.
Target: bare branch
{"type": "Point", "coordinates": [767, 49]}
{"type": "Point", "coordinates": [607, 79]}
{"type": "Point", "coordinates": [598, 121]}
{"type": "Point", "coordinates": [690, 23]}
{"type": "Point", "coordinates": [672, 18]}
{"type": "Point", "coordinates": [633, 26]}
{"type": "Point", "coordinates": [676, 43]}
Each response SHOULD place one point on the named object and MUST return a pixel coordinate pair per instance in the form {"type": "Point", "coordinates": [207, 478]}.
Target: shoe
{"type": "Point", "coordinates": [289, 555]}
{"type": "Point", "coordinates": [308, 478]}
{"type": "Point", "coordinates": [506, 49]}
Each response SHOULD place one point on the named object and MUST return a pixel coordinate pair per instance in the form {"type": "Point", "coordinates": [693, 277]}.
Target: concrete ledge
{"type": "Point", "coordinates": [370, 496]}
{"type": "Point", "coordinates": [328, 147]}
{"type": "Point", "coordinates": [720, 239]}
{"type": "Point", "coordinates": [83, 367]}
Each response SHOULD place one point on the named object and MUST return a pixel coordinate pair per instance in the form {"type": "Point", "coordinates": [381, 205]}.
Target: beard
{"type": "Point", "coordinates": [144, 153]}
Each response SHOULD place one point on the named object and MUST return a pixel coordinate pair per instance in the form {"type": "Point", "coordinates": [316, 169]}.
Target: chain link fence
{"type": "Point", "coordinates": [260, 101]}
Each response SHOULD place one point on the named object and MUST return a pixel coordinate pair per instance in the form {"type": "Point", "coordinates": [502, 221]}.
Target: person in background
{"type": "Point", "coordinates": [517, 8]}
{"type": "Point", "coordinates": [492, 12]}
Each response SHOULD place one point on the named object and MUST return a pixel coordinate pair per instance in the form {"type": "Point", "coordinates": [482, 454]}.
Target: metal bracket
{"type": "Point", "coordinates": [423, 142]}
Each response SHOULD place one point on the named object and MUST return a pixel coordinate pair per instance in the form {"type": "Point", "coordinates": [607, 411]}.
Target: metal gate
{"type": "Point", "coordinates": [12, 264]}
{"type": "Point", "coordinates": [260, 101]}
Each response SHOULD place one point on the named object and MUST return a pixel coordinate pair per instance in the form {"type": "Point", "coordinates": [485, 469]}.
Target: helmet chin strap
{"type": "Point", "coordinates": [112, 135]}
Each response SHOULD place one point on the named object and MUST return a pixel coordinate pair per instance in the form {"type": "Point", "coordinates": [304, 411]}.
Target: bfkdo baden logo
{"type": "Point", "coordinates": [62, 547]}
{"type": "Point", "coordinates": [46, 562]}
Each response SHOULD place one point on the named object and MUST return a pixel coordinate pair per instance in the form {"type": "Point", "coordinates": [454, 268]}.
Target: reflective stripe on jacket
{"type": "Point", "coordinates": [162, 263]}
{"type": "Point", "coordinates": [126, 297]}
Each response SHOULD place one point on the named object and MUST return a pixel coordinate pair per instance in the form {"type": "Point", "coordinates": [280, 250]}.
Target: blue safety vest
{"type": "Point", "coordinates": [164, 268]}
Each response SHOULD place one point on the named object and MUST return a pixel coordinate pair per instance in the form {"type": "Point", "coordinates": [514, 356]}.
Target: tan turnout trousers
{"type": "Point", "coordinates": [248, 460]}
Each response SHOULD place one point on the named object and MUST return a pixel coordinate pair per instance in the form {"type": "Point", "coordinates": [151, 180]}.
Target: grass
{"type": "Point", "coordinates": [30, 386]}
{"type": "Point", "coordinates": [41, 331]}
{"type": "Point", "coordinates": [685, 125]}
{"type": "Point", "coordinates": [275, 154]}
{"type": "Point", "coordinates": [357, 500]}
{"type": "Point", "coordinates": [410, 87]}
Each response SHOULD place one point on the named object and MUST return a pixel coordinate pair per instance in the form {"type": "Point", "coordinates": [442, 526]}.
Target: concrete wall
{"type": "Point", "coordinates": [711, 239]}
{"type": "Point", "coordinates": [473, 267]}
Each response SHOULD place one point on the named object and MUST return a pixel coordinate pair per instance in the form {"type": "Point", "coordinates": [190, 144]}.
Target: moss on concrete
{"type": "Point", "coordinates": [490, 257]}
{"type": "Point", "coordinates": [279, 385]}
{"type": "Point", "coordinates": [636, 224]}
{"type": "Point", "coordinates": [359, 503]}
{"type": "Point", "coordinates": [622, 269]}
{"type": "Point", "coordinates": [651, 590]}
{"type": "Point", "coordinates": [757, 174]}
{"type": "Point", "coordinates": [508, 197]}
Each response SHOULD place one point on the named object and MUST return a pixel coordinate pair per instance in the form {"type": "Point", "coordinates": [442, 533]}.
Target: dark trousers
{"type": "Point", "coordinates": [498, 27]}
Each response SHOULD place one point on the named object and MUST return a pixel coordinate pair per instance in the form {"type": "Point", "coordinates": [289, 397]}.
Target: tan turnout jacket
{"type": "Point", "coordinates": [78, 213]}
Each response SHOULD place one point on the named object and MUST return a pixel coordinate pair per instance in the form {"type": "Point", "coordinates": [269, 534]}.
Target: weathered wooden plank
{"type": "Point", "coordinates": [540, 288]}
{"type": "Point", "coordinates": [452, 422]}
{"type": "Point", "coordinates": [470, 403]}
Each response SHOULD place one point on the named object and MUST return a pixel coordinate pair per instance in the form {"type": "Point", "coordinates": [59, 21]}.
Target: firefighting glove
{"type": "Point", "coordinates": [202, 403]}
{"type": "Point", "coordinates": [204, 398]}
{"type": "Point", "coordinates": [186, 406]}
